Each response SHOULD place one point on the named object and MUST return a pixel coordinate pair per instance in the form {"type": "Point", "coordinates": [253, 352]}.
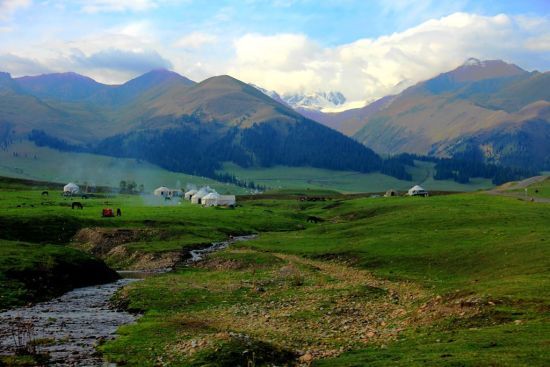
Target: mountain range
{"type": "Point", "coordinates": [174, 122]}
{"type": "Point", "coordinates": [489, 109]}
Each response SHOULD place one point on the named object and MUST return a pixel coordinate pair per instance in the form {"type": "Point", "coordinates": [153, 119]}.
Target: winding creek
{"type": "Point", "coordinates": [71, 326]}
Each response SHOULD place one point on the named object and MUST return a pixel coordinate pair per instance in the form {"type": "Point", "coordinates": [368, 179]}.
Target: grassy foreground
{"type": "Point", "coordinates": [453, 280]}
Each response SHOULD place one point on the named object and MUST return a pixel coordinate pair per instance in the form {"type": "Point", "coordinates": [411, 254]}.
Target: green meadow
{"type": "Point", "coordinates": [454, 280]}
{"type": "Point", "coordinates": [282, 177]}
{"type": "Point", "coordinates": [42, 164]}
{"type": "Point", "coordinates": [46, 164]}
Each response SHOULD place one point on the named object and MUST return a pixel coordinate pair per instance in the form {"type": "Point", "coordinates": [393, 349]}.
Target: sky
{"type": "Point", "coordinates": [363, 48]}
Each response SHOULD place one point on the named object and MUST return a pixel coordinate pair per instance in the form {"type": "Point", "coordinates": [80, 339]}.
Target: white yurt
{"type": "Point", "coordinates": [189, 194]}
{"type": "Point", "coordinates": [197, 198]}
{"type": "Point", "coordinates": [227, 200]}
{"type": "Point", "coordinates": [71, 188]}
{"type": "Point", "coordinates": [417, 190]}
{"type": "Point", "coordinates": [162, 191]}
{"type": "Point", "coordinates": [210, 199]}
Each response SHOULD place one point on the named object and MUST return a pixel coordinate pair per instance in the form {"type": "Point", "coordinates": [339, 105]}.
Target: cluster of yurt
{"type": "Point", "coordinates": [207, 196]}
{"type": "Point", "coordinates": [166, 192]}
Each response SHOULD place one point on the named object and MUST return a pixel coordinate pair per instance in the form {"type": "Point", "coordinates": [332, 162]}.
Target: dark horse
{"type": "Point", "coordinates": [45, 193]}
{"type": "Point", "coordinates": [76, 204]}
{"type": "Point", "coordinates": [313, 219]}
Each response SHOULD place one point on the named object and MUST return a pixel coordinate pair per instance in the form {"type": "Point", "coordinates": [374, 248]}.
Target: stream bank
{"type": "Point", "coordinates": [69, 328]}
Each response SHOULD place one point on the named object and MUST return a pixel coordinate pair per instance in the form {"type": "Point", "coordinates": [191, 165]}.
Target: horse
{"type": "Point", "coordinates": [313, 219]}
{"type": "Point", "coordinates": [77, 204]}
{"type": "Point", "coordinates": [45, 193]}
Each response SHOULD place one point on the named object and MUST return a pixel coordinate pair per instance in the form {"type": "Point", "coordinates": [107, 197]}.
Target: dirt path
{"type": "Point", "coordinates": [508, 190]}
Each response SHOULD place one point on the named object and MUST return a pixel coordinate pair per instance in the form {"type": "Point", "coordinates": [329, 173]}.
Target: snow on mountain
{"type": "Point", "coordinates": [270, 93]}
{"type": "Point", "coordinates": [317, 101]}
{"type": "Point", "coordinates": [472, 61]}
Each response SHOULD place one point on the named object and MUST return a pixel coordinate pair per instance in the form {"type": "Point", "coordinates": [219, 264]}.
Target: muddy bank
{"type": "Point", "coordinates": [34, 272]}
{"type": "Point", "coordinates": [110, 244]}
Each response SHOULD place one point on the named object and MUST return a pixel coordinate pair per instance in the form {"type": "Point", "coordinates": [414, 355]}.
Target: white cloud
{"type": "Point", "coordinates": [99, 6]}
{"type": "Point", "coordinates": [196, 40]}
{"type": "Point", "coordinates": [371, 68]}
{"type": "Point", "coordinates": [362, 70]}
{"type": "Point", "coordinates": [9, 7]}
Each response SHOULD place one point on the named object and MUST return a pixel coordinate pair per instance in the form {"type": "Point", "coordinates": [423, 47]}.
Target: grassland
{"type": "Point", "coordinates": [46, 164]}
{"type": "Point", "coordinates": [457, 280]}
{"type": "Point", "coordinates": [55, 166]}
{"type": "Point", "coordinates": [281, 177]}
{"type": "Point", "coordinates": [539, 189]}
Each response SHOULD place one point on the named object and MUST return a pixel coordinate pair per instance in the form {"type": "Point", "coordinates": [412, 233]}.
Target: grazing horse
{"type": "Point", "coordinates": [313, 219]}
{"type": "Point", "coordinates": [77, 204]}
{"type": "Point", "coordinates": [45, 193]}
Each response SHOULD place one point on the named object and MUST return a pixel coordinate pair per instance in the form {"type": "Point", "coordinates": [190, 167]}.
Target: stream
{"type": "Point", "coordinates": [71, 326]}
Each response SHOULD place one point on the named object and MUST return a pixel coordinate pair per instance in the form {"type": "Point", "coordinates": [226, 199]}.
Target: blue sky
{"type": "Point", "coordinates": [363, 48]}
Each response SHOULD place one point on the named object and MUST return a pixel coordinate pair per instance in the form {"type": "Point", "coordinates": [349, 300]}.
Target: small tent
{"type": "Point", "coordinates": [189, 194]}
{"type": "Point", "coordinates": [417, 191]}
{"type": "Point", "coordinates": [227, 200]}
{"type": "Point", "coordinates": [210, 199]}
{"type": "Point", "coordinates": [162, 191]}
{"type": "Point", "coordinates": [70, 189]}
{"type": "Point", "coordinates": [391, 193]}
{"type": "Point", "coordinates": [197, 198]}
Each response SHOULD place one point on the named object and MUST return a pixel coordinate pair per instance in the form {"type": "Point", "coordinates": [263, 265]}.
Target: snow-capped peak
{"type": "Point", "coordinates": [315, 101]}
{"type": "Point", "coordinates": [472, 61]}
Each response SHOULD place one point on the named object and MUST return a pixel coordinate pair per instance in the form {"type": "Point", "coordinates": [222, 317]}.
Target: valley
{"type": "Point", "coordinates": [443, 280]}
{"type": "Point", "coordinates": [274, 183]}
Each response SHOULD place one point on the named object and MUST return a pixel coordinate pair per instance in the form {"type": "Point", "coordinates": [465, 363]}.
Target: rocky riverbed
{"type": "Point", "coordinates": [69, 328]}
